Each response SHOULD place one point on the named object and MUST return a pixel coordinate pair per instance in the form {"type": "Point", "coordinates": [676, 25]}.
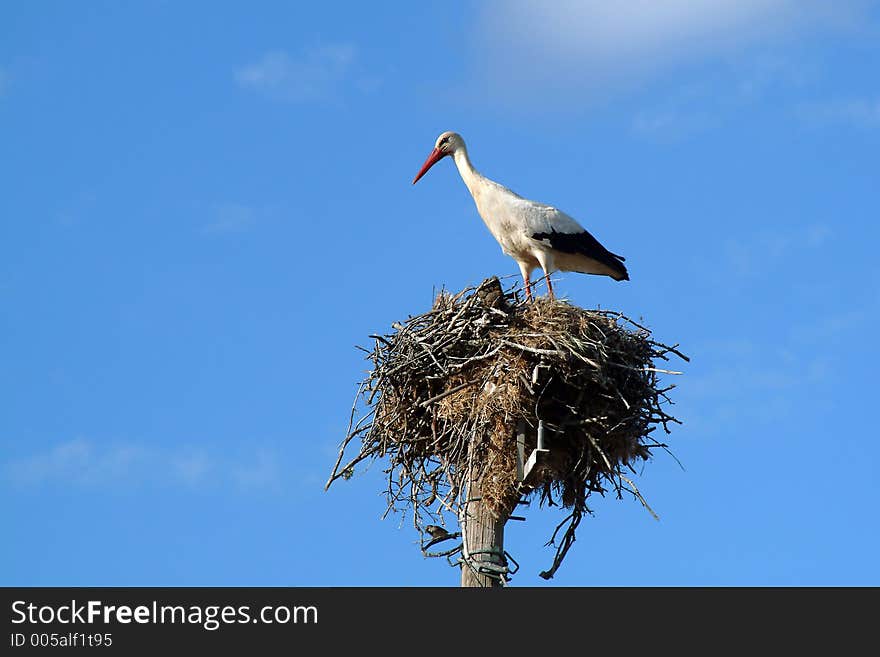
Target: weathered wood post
{"type": "Point", "coordinates": [483, 538]}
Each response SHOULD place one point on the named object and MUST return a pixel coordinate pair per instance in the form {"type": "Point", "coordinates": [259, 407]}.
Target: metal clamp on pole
{"type": "Point", "coordinates": [537, 456]}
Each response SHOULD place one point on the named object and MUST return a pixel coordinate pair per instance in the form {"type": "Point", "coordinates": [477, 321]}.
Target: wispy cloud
{"type": "Point", "coordinates": [319, 73]}
{"type": "Point", "coordinates": [748, 255]}
{"type": "Point", "coordinates": [745, 379]}
{"type": "Point", "coordinates": [755, 75]}
{"type": "Point", "coordinates": [746, 368]}
{"type": "Point", "coordinates": [82, 462]}
{"type": "Point", "coordinates": [858, 112]}
{"type": "Point", "coordinates": [737, 84]}
{"type": "Point", "coordinates": [230, 218]}
{"type": "Point", "coordinates": [664, 123]}
{"type": "Point", "coordinates": [675, 119]}
{"type": "Point", "coordinates": [77, 461]}
{"type": "Point", "coordinates": [745, 382]}
{"type": "Point", "coordinates": [582, 47]}
{"type": "Point", "coordinates": [833, 327]}
{"type": "Point", "coordinates": [191, 467]}
{"type": "Point", "coordinates": [262, 473]}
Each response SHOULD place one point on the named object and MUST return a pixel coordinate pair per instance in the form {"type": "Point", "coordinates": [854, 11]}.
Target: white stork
{"type": "Point", "coordinates": [533, 234]}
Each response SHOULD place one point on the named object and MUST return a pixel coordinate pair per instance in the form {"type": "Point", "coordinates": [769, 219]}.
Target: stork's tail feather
{"type": "Point", "coordinates": [623, 274]}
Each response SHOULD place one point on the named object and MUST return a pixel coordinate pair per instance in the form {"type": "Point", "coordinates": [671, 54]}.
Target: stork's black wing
{"type": "Point", "coordinates": [586, 245]}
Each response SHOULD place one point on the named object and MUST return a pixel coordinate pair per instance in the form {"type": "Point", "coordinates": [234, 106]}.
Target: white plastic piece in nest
{"type": "Point", "coordinates": [537, 371]}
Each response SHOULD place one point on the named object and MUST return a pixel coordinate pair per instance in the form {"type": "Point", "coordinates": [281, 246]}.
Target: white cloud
{"type": "Point", "coordinates": [77, 461]}
{"type": "Point", "coordinates": [595, 46]}
{"type": "Point", "coordinates": [858, 112]}
{"type": "Point", "coordinates": [737, 83]}
{"type": "Point", "coordinates": [832, 327]}
{"type": "Point", "coordinates": [757, 74]}
{"type": "Point", "coordinates": [670, 122]}
{"type": "Point", "coordinates": [262, 473]}
{"type": "Point", "coordinates": [231, 218]}
{"type": "Point", "coordinates": [745, 383]}
{"type": "Point", "coordinates": [743, 368]}
{"type": "Point", "coordinates": [745, 380]}
{"type": "Point", "coordinates": [81, 462]}
{"type": "Point", "coordinates": [317, 74]}
{"type": "Point", "coordinates": [191, 468]}
{"type": "Point", "coordinates": [749, 255]}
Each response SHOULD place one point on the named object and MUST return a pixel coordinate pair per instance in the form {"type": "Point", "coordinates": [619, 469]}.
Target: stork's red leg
{"type": "Point", "coordinates": [528, 287]}
{"type": "Point", "coordinates": [550, 287]}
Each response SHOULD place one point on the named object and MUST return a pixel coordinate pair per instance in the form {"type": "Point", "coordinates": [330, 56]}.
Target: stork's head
{"type": "Point", "coordinates": [447, 144]}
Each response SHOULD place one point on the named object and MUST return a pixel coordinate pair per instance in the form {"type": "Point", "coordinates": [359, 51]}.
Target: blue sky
{"type": "Point", "coordinates": [206, 206]}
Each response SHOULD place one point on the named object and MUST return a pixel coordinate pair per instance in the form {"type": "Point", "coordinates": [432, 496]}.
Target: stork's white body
{"type": "Point", "coordinates": [532, 233]}
{"type": "Point", "coordinates": [514, 220]}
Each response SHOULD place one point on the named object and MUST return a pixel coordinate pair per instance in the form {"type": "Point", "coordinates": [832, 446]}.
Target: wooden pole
{"type": "Point", "coordinates": [483, 536]}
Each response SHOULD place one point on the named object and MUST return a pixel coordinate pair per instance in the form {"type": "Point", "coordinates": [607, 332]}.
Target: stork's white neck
{"type": "Point", "coordinates": [469, 175]}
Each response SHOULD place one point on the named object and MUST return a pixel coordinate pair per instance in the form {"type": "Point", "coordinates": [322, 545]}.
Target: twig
{"type": "Point", "coordinates": [451, 391]}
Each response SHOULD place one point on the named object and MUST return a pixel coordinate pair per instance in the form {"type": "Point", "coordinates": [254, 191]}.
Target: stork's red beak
{"type": "Point", "coordinates": [435, 156]}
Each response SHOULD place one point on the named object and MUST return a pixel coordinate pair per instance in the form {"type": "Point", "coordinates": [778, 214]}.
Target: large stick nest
{"type": "Point", "coordinates": [450, 390]}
